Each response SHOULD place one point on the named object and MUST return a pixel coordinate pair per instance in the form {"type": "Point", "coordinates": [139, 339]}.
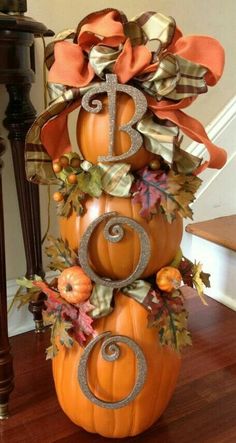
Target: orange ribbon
{"type": "Point", "coordinates": [72, 68]}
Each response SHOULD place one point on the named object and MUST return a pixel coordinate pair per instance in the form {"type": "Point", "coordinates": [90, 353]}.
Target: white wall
{"type": "Point", "coordinates": [217, 198]}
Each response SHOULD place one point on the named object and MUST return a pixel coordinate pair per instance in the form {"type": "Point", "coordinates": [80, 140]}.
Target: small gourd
{"type": "Point", "coordinates": [74, 285]}
{"type": "Point", "coordinates": [168, 279]}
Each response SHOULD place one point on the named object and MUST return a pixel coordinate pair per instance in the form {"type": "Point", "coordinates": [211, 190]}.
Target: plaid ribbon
{"type": "Point", "coordinates": [102, 296]}
{"type": "Point", "coordinates": [105, 41]}
{"type": "Point", "coordinates": [116, 179]}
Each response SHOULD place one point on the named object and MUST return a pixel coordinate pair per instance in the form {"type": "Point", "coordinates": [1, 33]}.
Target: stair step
{"type": "Point", "coordinates": [221, 231]}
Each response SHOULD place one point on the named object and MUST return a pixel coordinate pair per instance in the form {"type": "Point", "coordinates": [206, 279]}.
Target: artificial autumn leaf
{"type": "Point", "coordinates": [45, 288]}
{"type": "Point", "coordinates": [28, 283]}
{"type": "Point", "coordinates": [170, 318]}
{"type": "Point", "coordinates": [179, 194]}
{"type": "Point", "coordinates": [83, 324]}
{"type": "Point", "coordinates": [194, 277]}
{"type": "Point", "coordinates": [197, 281]}
{"type": "Point", "coordinates": [148, 190]}
{"type": "Point", "coordinates": [26, 293]}
{"type": "Point", "coordinates": [205, 277]}
{"type": "Point", "coordinates": [61, 255]}
{"type": "Point", "coordinates": [59, 331]}
{"type": "Point", "coordinates": [69, 322]}
{"type": "Point", "coordinates": [183, 162]}
{"type": "Point", "coordinates": [72, 200]}
{"type": "Point", "coordinates": [90, 182]}
{"type": "Point", "coordinates": [185, 268]}
{"type": "Point", "coordinates": [174, 192]}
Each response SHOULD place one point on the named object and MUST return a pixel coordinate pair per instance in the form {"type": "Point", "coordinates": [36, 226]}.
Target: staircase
{"type": "Point", "coordinates": [212, 238]}
{"type": "Point", "coordinates": [213, 243]}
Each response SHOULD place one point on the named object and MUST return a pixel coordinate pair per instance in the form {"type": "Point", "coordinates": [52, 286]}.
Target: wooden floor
{"type": "Point", "coordinates": [203, 409]}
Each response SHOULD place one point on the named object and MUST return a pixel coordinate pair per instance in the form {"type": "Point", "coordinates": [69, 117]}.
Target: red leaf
{"type": "Point", "coordinates": [46, 289]}
{"type": "Point", "coordinates": [148, 190]}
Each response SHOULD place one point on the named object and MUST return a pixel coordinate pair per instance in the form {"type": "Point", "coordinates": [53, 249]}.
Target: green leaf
{"type": "Point", "coordinates": [26, 283]}
{"type": "Point", "coordinates": [90, 182]}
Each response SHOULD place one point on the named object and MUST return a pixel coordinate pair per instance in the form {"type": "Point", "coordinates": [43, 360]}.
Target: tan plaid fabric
{"type": "Point", "coordinates": [101, 297]}
{"type": "Point", "coordinates": [38, 162]}
{"type": "Point", "coordinates": [116, 179]}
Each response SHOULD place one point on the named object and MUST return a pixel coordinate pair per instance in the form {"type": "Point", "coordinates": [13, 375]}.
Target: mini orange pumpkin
{"type": "Point", "coordinates": [168, 278]}
{"type": "Point", "coordinates": [93, 133]}
{"type": "Point", "coordinates": [118, 260]}
{"type": "Point", "coordinates": [113, 381]}
{"type": "Point", "coordinates": [74, 285]}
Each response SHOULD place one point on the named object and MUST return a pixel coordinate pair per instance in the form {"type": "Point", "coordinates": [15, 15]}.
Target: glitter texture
{"type": "Point", "coordinates": [113, 232]}
{"type": "Point", "coordinates": [111, 87]}
{"type": "Point", "coordinates": [111, 352]}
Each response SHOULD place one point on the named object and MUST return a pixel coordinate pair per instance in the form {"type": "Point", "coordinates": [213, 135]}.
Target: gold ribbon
{"type": "Point", "coordinates": [116, 179]}
{"type": "Point", "coordinates": [101, 297]}
{"type": "Point", "coordinates": [103, 58]}
{"type": "Point", "coordinates": [159, 138]}
{"type": "Point", "coordinates": [155, 26]}
{"type": "Point", "coordinates": [175, 78]}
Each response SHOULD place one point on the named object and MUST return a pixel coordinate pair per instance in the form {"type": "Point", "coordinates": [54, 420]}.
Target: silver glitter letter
{"type": "Point", "coordinates": [113, 232]}
{"type": "Point", "coordinates": [111, 352]}
{"type": "Point", "coordinates": [111, 87]}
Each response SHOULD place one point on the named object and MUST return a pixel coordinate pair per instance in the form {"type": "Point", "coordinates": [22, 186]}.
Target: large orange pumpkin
{"type": "Point", "coordinates": [93, 133]}
{"type": "Point", "coordinates": [112, 381]}
{"type": "Point", "coordinates": [118, 260]}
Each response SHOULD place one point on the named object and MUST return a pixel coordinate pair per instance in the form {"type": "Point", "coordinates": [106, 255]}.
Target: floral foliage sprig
{"type": "Point", "coordinates": [60, 254]}
{"type": "Point", "coordinates": [173, 192]}
{"type": "Point", "coordinates": [70, 322]}
{"type": "Point", "coordinates": [193, 276]}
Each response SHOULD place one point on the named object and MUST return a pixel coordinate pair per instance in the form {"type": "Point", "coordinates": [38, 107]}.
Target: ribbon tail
{"type": "Point", "coordinates": [195, 130]}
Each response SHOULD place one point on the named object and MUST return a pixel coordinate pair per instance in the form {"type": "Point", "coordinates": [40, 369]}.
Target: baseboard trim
{"type": "Point", "coordinates": [224, 299]}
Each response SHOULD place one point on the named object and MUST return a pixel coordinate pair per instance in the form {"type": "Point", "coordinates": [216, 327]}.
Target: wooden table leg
{"type": "Point", "coordinates": [6, 367]}
{"type": "Point", "coordinates": [17, 34]}
{"type": "Point", "coordinates": [20, 115]}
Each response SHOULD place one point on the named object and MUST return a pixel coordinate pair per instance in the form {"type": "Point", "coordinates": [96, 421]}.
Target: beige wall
{"type": "Point", "coordinates": [214, 17]}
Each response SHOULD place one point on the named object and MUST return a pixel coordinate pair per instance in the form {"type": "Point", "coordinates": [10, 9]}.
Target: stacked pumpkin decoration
{"type": "Point", "coordinates": [118, 293]}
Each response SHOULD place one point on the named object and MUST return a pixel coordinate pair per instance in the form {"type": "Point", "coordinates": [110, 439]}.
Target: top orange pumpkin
{"type": "Point", "coordinates": [93, 133]}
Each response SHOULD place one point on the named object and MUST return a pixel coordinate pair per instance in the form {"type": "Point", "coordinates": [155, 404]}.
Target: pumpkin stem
{"type": "Point", "coordinates": [68, 287]}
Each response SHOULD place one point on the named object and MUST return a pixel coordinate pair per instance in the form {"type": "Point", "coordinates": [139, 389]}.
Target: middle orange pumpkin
{"type": "Point", "coordinates": [119, 260]}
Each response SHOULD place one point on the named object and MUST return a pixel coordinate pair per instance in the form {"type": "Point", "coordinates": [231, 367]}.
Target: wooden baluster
{"type": "Point", "coordinates": [20, 115]}
{"type": "Point", "coordinates": [6, 368]}
{"type": "Point", "coordinates": [17, 72]}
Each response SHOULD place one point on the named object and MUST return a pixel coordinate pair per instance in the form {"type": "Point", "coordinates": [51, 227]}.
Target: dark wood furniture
{"type": "Point", "coordinates": [17, 67]}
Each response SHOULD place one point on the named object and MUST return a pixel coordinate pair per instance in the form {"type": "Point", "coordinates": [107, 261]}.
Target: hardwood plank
{"type": "Point", "coordinates": [221, 231]}
{"type": "Point", "coordinates": [202, 410]}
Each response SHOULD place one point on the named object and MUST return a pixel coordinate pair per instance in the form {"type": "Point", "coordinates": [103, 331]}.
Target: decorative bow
{"type": "Point", "coordinates": [172, 77]}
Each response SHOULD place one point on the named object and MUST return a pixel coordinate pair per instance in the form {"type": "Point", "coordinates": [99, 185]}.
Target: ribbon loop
{"type": "Point", "coordinates": [156, 26]}
{"type": "Point", "coordinates": [105, 42]}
